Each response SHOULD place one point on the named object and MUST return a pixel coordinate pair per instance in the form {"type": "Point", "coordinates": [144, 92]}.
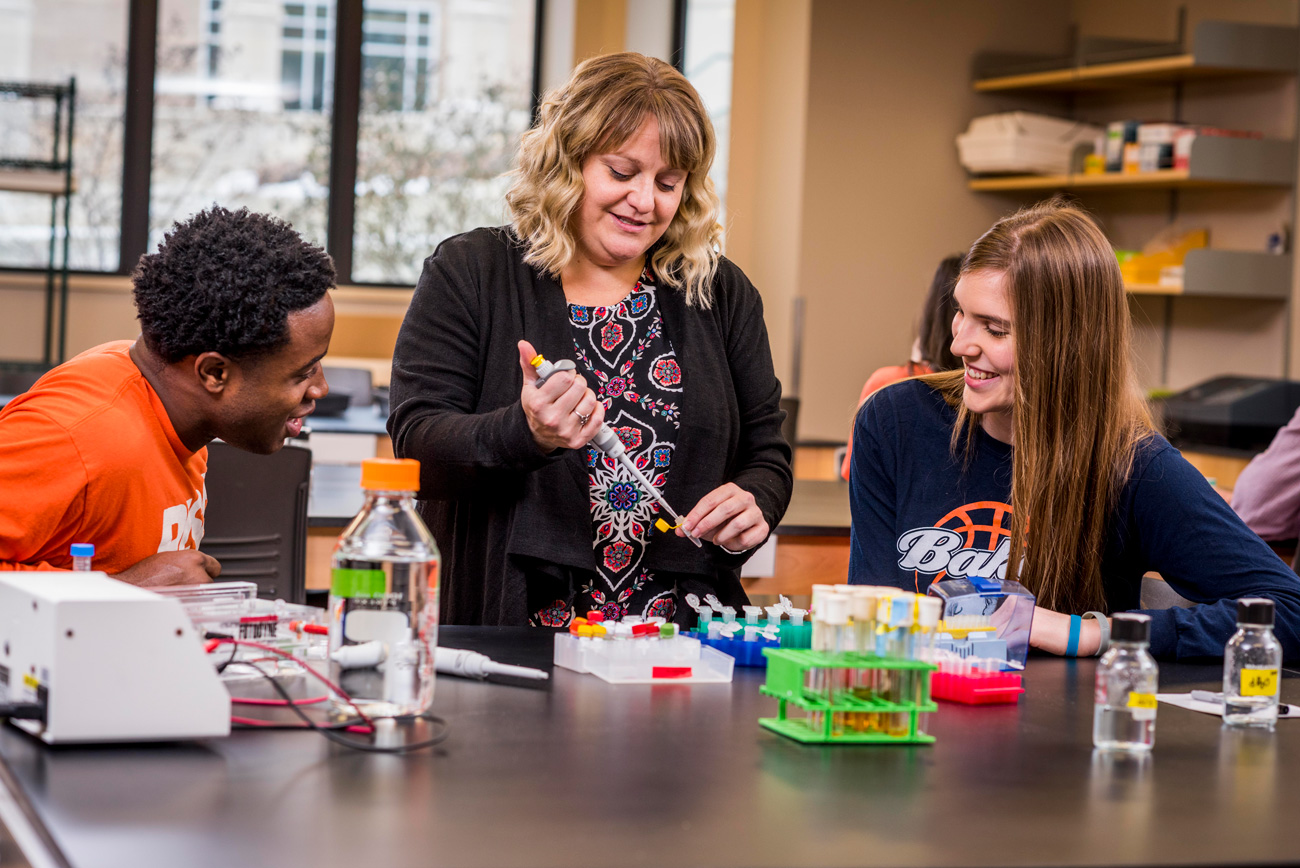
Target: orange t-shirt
{"type": "Point", "coordinates": [88, 455]}
{"type": "Point", "coordinates": [881, 378]}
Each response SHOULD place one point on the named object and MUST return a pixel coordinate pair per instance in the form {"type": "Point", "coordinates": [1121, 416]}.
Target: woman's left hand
{"type": "Point", "coordinates": [728, 517]}
{"type": "Point", "coordinates": [1051, 633]}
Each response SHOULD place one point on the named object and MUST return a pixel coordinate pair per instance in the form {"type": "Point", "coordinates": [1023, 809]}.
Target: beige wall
{"type": "Point", "coordinates": [600, 26]}
{"type": "Point", "coordinates": [884, 197]}
{"type": "Point", "coordinates": [765, 182]}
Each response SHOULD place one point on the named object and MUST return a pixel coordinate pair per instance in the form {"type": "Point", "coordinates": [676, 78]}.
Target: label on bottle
{"type": "Point", "coordinates": [357, 583]}
{"type": "Point", "coordinates": [1258, 681]}
{"type": "Point", "coordinates": [1143, 705]}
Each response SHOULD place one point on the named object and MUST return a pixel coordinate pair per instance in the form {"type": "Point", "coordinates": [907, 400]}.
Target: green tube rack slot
{"type": "Point", "coordinates": [786, 682]}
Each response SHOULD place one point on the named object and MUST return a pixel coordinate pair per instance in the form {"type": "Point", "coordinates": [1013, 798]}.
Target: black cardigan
{"type": "Point", "coordinates": [491, 498]}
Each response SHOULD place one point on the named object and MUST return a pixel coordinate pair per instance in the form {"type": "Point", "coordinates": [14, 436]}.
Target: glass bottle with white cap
{"type": "Point", "coordinates": [1124, 714]}
{"type": "Point", "coordinates": [1252, 667]}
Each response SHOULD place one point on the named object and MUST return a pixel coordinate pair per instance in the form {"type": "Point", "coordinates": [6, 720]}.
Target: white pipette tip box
{"type": "Point", "coordinates": [644, 660]}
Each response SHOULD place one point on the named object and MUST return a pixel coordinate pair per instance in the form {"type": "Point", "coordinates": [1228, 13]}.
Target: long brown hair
{"type": "Point", "coordinates": [596, 111]}
{"type": "Point", "coordinates": [1078, 413]}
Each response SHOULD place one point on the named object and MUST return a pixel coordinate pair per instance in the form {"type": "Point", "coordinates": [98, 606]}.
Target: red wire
{"type": "Point", "coordinates": [255, 721]}
{"type": "Point", "coordinates": [244, 700]}
{"type": "Point", "coordinates": [330, 684]}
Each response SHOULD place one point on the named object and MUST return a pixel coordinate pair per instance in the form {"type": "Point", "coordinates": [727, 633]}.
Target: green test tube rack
{"type": "Point", "coordinates": [787, 671]}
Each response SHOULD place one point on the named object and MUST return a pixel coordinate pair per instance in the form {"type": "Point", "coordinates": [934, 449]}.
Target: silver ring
{"type": "Point", "coordinates": [582, 417]}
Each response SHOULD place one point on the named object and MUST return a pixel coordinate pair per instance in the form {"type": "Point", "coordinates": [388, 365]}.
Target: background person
{"type": "Point", "coordinates": [1039, 460]}
{"type": "Point", "coordinates": [931, 351]}
{"type": "Point", "coordinates": [109, 448]}
{"type": "Point", "coordinates": [611, 260]}
{"type": "Point", "coordinates": [1267, 493]}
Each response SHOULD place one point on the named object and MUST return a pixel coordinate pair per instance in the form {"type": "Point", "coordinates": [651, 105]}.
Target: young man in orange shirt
{"type": "Point", "coordinates": [110, 447]}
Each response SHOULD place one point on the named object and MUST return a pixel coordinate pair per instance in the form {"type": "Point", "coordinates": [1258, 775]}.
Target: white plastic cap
{"type": "Point", "coordinates": [864, 603]}
{"type": "Point", "coordinates": [752, 614]}
{"type": "Point", "coordinates": [797, 616]}
{"type": "Point", "coordinates": [728, 614]}
{"type": "Point", "coordinates": [774, 613]}
{"type": "Point", "coordinates": [834, 610]}
{"type": "Point", "coordinates": [928, 610]}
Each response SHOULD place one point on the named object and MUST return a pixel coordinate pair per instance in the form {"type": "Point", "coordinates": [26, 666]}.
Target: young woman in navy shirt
{"type": "Point", "coordinates": [1039, 460]}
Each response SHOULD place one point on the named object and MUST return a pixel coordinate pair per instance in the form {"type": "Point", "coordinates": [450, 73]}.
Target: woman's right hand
{"type": "Point", "coordinates": [555, 410]}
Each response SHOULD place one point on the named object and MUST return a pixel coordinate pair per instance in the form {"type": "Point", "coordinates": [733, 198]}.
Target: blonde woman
{"type": "Point", "coordinates": [610, 260]}
{"type": "Point", "coordinates": [1039, 460]}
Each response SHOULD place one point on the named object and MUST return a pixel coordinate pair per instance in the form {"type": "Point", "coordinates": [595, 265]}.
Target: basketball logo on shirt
{"type": "Point", "coordinates": [972, 540]}
{"type": "Point", "coordinates": [182, 524]}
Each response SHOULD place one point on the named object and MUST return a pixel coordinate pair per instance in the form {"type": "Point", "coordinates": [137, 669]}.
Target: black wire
{"type": "Point", "coordinates": [329, 731]}
{"type": "Point", "coordinates": [23, 711]}
{"type": "Point", "coordinates": [234, 649]}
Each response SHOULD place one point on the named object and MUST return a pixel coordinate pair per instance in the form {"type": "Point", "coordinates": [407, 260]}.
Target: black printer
{"type": "Point", "coordinates": [1241, 413]}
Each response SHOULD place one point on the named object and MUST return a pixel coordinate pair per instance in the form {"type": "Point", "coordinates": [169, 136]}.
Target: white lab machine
{"type": "Point", "coordinates": [106, 660]}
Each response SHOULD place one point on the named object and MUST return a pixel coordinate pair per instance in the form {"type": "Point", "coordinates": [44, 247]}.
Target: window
{"type": "Point", "coordinates": [445, 95]}
{"type": "Point", "coordinates": [229, 128]}
{"type": "Point", "coordinates": [307, 56]}
{"type": "Point", "coordinates": [241, 103]}
{"type": "Point", "coordinates": [710, 46]}
{"type": "Point", "coordinates": [50, 42]}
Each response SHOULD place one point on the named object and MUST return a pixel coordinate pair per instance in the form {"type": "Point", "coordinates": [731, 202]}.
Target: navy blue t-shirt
{"type": "Point", "coordinates": [920, 511]}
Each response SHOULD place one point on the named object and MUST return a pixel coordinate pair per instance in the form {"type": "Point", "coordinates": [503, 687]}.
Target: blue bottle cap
{"type": "Point", "coordinates": [83, 550]}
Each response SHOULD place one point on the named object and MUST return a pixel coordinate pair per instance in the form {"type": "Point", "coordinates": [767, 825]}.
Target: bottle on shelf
{"type": "Point", "coordinates": [82, 555]}
{"type": "Point", "coordinates": [383, 604]}
{"type": "Point", "coordinates": [1124, 716]}
{"type": "Point", "coordinates": [1252, 666]}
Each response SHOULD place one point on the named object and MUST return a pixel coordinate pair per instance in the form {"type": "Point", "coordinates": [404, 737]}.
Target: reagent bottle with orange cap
{"type": "Point", "coordinates": [384, 594]}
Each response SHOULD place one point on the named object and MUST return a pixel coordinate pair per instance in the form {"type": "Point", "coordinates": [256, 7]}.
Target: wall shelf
{"type": "Point", "coordinates": [1220, 49]}
{"type": "Point", "coordinates": [51, 177]}
{"type": "Point", "coordinates": [1210, 273]}
{"type": "Point", "coordinates": [1214, 162]}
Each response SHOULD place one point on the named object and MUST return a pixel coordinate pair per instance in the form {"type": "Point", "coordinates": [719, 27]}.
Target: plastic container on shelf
{"type": "Point", "coordinates": [1023, 142]}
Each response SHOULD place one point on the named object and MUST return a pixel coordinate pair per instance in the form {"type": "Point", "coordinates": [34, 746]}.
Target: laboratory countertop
{"type": "Point", "coordinates": [576, 772]}
{"type": "Point", "coordinates": [371, 419]}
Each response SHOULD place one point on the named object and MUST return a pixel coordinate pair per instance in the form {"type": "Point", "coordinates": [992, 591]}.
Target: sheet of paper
{"type": "Point", "coordinates": [1184, 700]}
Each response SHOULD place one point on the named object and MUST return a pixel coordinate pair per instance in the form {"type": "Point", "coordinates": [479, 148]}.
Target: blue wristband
{"type": "Point", "coordinates": [1072, 646]}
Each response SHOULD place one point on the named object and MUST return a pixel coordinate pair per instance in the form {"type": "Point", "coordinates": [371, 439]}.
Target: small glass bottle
{"type": "Point", "coordinates": [1124, 714]}
{"type": "Point", "coordinates": [82, 554]}
{"type": "Point", "coordinates": [1252, 666]}
{"type": "Point", "coordinates": [384, 596]}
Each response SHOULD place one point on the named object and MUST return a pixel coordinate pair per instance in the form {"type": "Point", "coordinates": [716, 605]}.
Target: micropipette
{"type": "Point", "coordinates": [449, 661]}
{"type": "Point", "coordinates": [609, 442]}
{"type": "Point", "coordinates": [471, 664]}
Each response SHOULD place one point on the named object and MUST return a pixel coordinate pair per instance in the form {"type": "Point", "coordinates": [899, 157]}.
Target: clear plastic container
{"type": "Point", "coordinates": [985, 617]}
{"type": "Point", "coordinates": [1124, 716]}
{"type": "Point", "coordinates": [384, 589]}
{"type": "Point", "coordinates": [1252, 667]}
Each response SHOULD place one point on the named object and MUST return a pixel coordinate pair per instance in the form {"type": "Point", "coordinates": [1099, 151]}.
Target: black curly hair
{"type": "Point", "coordinates": [226, 281]}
